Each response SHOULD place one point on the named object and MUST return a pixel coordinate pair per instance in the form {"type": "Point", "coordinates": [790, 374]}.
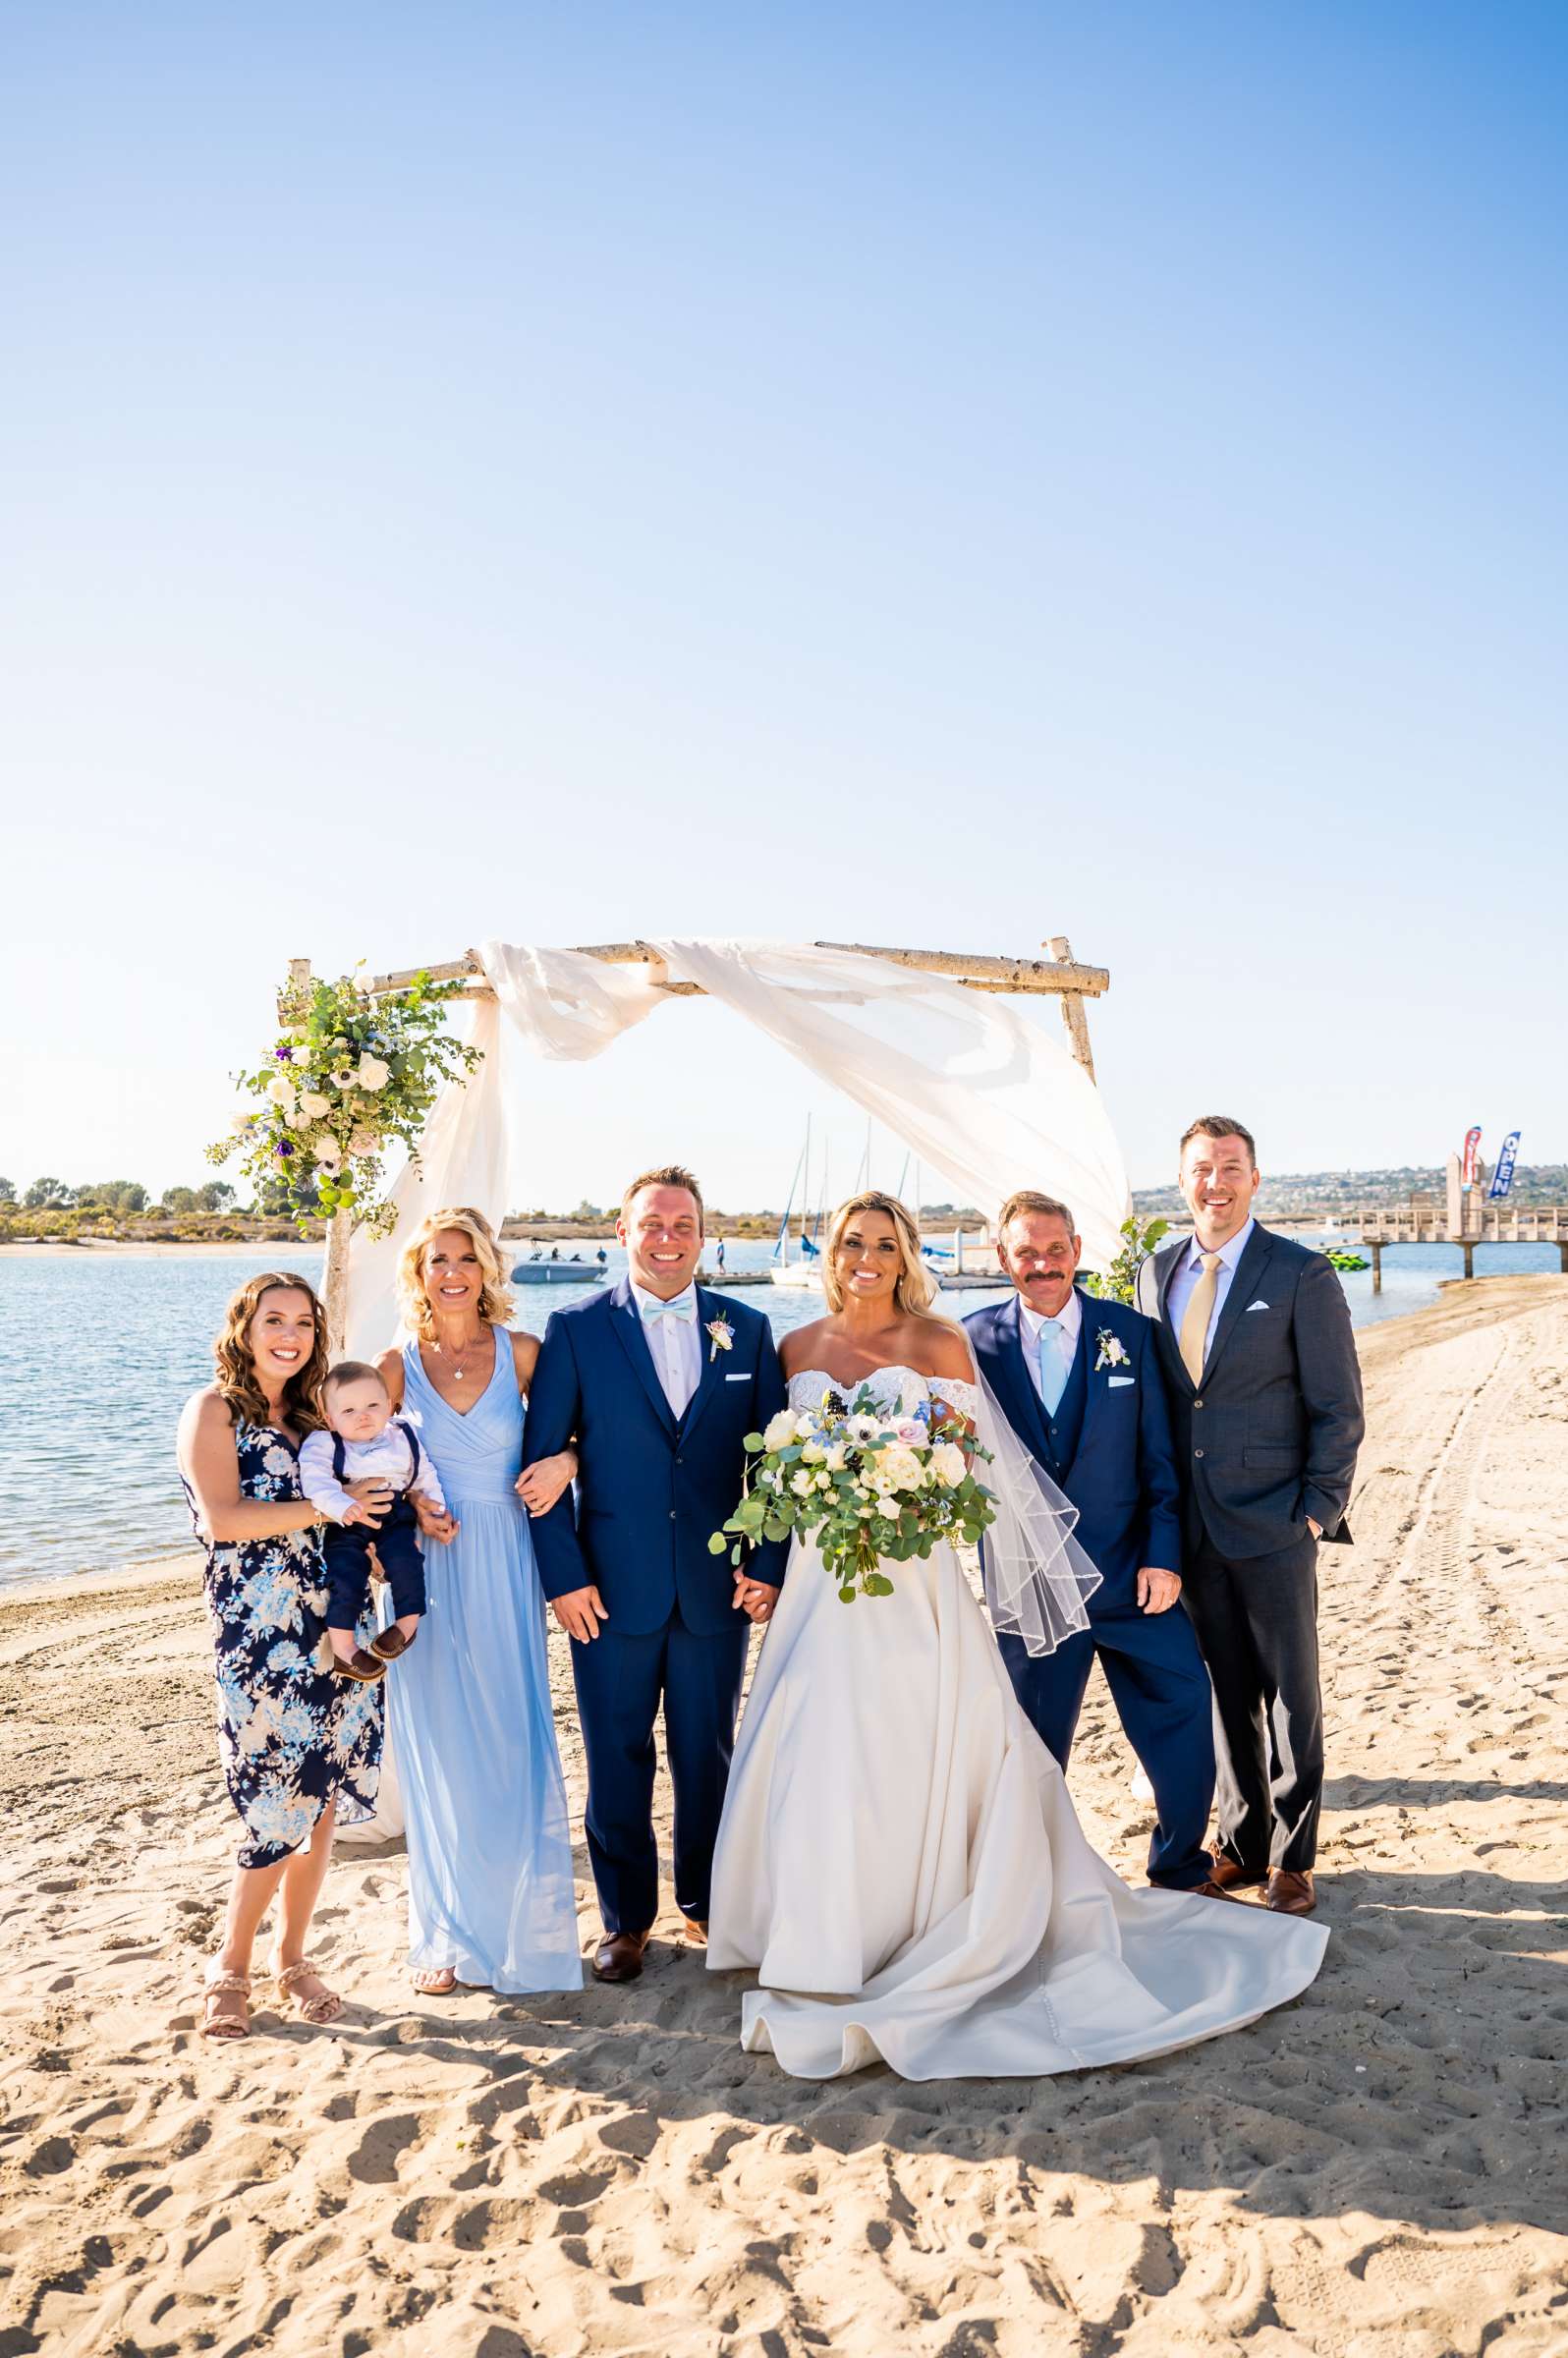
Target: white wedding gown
{"type": "Point", "coordinates": [900, 1862]}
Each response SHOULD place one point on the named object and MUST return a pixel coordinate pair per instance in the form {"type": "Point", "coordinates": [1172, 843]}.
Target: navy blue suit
{"type": "Point", "coordinates": [1108, 1446]}
{"type": "Point", "coordinates": [650, 1492]}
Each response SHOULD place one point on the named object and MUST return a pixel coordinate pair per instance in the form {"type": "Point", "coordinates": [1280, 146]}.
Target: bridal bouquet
{"type": "Point", "coordinates": [871, 1488]}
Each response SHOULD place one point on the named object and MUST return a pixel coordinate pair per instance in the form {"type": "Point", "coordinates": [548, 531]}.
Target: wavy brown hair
{"type": "Point", "coordinates": [915, 1288]}
{"type": "Point", "coordinates": [495, 1300]}
{"type": "Point", "coordinates": [238, 1381]}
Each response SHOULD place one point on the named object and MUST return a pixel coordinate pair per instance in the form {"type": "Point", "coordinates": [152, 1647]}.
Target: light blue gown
{"type": "Point", "coordinates": [490, 1892]}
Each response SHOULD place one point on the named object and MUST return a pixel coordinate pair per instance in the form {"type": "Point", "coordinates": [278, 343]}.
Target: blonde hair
{"type": "Point", "coordinates": [495, 1299]}
{"type": "Point", "coordinates": [239, 1387]}
{"type": "Point", "coordinates": [915, 1288]}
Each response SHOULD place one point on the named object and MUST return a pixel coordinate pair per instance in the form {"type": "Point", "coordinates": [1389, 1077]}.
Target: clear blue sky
{"type": "Point", "coordinates": [946, 476]}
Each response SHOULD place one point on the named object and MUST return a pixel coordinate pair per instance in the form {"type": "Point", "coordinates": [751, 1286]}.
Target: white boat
{"type": "Point", "coordinates": [804, 1273]}
{"type": "Point", "coordinates": [557, 1272]}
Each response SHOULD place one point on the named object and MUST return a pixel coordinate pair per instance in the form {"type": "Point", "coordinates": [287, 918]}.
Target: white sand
{"type": "Point", "coordinates": [1379, 2171]}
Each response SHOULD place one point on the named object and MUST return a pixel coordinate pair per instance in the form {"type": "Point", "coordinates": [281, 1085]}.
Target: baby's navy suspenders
{"type": "Point", "coordinates": [340, 1451]}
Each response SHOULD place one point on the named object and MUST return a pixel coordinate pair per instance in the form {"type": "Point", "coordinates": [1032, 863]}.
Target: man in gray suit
{"type": "Point", "coordinates": [1264, 1391]}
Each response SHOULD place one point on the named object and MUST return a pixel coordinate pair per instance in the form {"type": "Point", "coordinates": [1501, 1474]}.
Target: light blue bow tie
{"type": "Point", "coordinates": [684, 1306]}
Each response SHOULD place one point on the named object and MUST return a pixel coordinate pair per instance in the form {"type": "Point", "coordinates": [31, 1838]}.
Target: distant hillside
{"type": "Point", "coordinates": [1288, 1194]}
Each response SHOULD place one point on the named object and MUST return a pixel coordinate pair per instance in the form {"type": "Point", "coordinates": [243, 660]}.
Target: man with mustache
{"type": "Point", "coordinates": [1079, 1381]}
{"type": "Point", "coordinates": [1265, 1391]}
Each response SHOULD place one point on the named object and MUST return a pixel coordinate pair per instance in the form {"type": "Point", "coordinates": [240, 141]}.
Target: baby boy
{"type": "Point", "coordinates": [365, 1441]}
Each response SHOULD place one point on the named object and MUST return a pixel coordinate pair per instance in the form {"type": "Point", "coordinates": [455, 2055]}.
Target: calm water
{"type": "Point", "coordinates": [98, 1355]}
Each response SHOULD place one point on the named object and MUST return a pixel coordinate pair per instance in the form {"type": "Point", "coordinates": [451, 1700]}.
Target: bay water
{"type": "Point", "coordinates": [98, 1352]}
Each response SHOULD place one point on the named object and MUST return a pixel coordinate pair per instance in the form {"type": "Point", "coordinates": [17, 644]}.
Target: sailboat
{"type": "Point", "coordinates": [804, 1273]}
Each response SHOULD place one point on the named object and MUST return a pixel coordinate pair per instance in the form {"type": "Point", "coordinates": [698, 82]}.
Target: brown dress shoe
{"type": "Point", "coordinates": [1232, 1878]}
{"type": "Point", "coordinates": [365, 1667]}
{"type": "Point", "coordinates": [619, 1956]}
{"type": "Point", "coordinates": [391, 1644]}
{"type": "Point", "coordinates": [1212, 1890]}
{"type": "Point", "coordinates": [696, 1931]}
{"type": "Point", "coordinates": [1290, 1893]}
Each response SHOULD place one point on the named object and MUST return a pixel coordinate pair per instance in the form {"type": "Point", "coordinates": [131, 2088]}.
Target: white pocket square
{"type": "Point", "coordinates": [1257, 1305]}
{"type": "Point", "coordinates": [738, 1379]}
{"type": "Point", "coordinates": [1114, 1380]}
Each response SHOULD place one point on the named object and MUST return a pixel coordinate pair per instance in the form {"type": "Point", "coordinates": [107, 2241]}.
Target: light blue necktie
{"type": "Point", "coordinates": [684, 1306]}
{"type": "Point", "coordinates": [1052, 1369]}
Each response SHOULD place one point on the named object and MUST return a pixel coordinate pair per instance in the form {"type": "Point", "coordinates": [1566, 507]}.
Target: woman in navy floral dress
{"type": "Point", "coordinates": [300, 1747]}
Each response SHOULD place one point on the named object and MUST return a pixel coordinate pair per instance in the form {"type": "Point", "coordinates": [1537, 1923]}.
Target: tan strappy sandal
{"type": "Point", "coordinates": [221, 1983]}
{"type": "Point", "coordinates": [326, 2006]}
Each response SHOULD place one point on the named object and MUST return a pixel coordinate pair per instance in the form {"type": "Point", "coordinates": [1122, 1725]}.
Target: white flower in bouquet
{"type": "Point", "coordinates": [801, 1481]}
{"type": "Point", "coordinates": [329, 1155]}
{"type": "Point", "coordinates": [804, 1425]}
{"type": "Point", "coordinates": [364, 1141]}
{"type": "Point", "coordinates": [898, 1469]}
{"type": "Point", "coordinates": [240, 1124]}
{"type": "Point", "coordinates": [280, 1089]}
{"type": "Point", "coordinates": [315, 1106]}
{"type": "Point", "coordinates": [370, 1073]}
{"type": "Point", "coordinates": [911, 1431]}
{"type": "Point", "coordinates": [822, 1482]}
{"type": "Point", "coordinates": [780, 1430]}
{"type": "Point", "coordinates": [863, 1428]}
{"type": "Point", "coordinates": [813, 1453]}
{"type": "Point", "coordinates": [948, 1464]}
{"type": "Point", "coordinates": [837, 1458]}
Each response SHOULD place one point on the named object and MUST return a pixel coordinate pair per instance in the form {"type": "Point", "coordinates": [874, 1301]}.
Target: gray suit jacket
{"type": "Point", "coordinates": [1271, 1435]}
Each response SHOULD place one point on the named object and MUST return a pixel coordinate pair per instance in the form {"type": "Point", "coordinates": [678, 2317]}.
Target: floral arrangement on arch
{"type": "Point", "coordinates": [348, 1077]}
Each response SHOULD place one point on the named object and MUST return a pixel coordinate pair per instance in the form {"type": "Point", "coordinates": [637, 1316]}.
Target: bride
{"type": "Point", "coordinates": [898, 1858]}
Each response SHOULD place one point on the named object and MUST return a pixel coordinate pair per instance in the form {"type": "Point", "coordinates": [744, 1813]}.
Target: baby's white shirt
{"type": "Point", "coordinates": [389, 1458]}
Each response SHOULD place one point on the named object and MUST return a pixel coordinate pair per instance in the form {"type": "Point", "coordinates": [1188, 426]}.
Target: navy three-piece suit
{"type": "Point", "coordinates": [651, 1490]}
{"type": "Point", "coordinates": [1108, 1446]}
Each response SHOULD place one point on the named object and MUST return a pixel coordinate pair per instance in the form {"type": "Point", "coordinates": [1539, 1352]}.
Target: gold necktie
{"type": "Point", "coordinates": [1195, 1319]}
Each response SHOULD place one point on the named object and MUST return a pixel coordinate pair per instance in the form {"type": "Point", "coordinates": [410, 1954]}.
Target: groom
{"type": "Point", "coordinates": [1079, 1381]}
{"type": "Point", "coordinates": [656, 1382]}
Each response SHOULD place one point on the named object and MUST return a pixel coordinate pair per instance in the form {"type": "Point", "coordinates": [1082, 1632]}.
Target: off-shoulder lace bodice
{"type": "Point", "coordinates": [896, 1391]}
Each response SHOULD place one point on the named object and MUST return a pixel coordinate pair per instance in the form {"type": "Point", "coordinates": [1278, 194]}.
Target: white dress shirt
{"type": "Point", "coordinates": [676, 1344]}
{"type": "Point", "coordinates": [388, 1457]}
{"type": "Point", "coordinates": [1034, 1327]}
{"type": "Point", "coordinates": [1189, 1269]}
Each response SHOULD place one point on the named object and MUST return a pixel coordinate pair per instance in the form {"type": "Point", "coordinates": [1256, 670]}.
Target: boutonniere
{"type": "Point", "coordinates": [722, 1335]}
{"type": "Point", "coordinates": [1112, 1350]}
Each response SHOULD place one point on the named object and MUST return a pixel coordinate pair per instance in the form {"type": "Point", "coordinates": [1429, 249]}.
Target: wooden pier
{"type": "Point", "coordinates": [1469, 1223]}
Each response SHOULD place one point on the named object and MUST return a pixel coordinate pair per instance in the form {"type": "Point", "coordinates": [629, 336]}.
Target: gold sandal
{"type": "Point", "coordinates": [326, 2006]}
{"type": "Point", "coordinates": [221, 1983]}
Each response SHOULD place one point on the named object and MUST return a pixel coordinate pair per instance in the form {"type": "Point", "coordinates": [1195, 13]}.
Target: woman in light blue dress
{"type": "Point", "coordinates": [491, 1899]}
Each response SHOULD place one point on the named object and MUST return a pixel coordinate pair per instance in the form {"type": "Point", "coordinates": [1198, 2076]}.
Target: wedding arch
{"type": "Point", "coordinates": [925, 1040]}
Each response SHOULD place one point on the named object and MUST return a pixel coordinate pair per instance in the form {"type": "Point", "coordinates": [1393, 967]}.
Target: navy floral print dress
{"type": "Point", "coordinates": [291, 1737]}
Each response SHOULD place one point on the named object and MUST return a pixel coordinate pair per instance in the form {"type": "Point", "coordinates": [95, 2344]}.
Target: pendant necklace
{"type": "Point", "coordinates": [458, 1373]}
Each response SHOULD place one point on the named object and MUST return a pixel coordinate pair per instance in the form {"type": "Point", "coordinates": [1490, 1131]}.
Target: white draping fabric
{"type": "Point", "coordinates": [988, 1099]}
{"type": "Point", "coordinates": [958, 1076]}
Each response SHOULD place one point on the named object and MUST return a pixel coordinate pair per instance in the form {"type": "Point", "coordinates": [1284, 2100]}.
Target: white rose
{"type": "Point", "coordinates": [801, 1483]}
{"type": "Point", "coordinates": [370, 1073]}
{"type": "Point", "coordinates": [865, 1513]}
{"type": "Point", "coordinates": [947, 1464]}
{"type": "Point", "coordinates": [364, 1141]}
{"type": "Point", "coordinates": [804, 1425]}
{"type": "Point", "coordinates": [836, 1458]}
{"type": "Point", "coordinates": [280, 1089]}
{"type": "Point", "coordinates": [813, 1454]}
{"type": "Point", "coordinates": [824, 1481]}
{"type": "Point", "coordinates": [315, 1106]}
{"type": "Point", "coordinates": [780, 1430]}
{"type": "Point", "coordinates": [898, 1469]}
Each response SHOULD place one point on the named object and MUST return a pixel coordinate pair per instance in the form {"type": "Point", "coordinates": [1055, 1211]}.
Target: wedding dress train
{"type": "Point", "coordinates": [900, 1863]}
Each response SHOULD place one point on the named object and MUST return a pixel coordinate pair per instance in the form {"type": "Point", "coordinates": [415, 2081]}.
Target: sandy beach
{"type": "Point", "coordinates": [1378, 2171]}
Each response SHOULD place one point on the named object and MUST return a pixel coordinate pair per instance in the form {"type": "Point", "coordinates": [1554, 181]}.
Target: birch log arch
{"type": "Point", "coordinates": [994, 1103]}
